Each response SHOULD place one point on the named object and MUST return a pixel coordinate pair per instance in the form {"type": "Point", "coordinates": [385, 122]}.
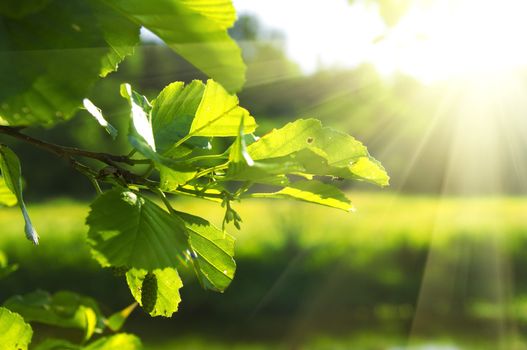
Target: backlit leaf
{"type": "Point", "coordinates": [53, 52]}
{"type": "Point", "coordinates": [340, 151]}
{"type": "Point", "coordinates": [12, 173]}
{"type": "Point", "coordinates": [7, 197]}
{"type": "Point", "coordinates": [371, 170]}
{"type": "Point", "coordinates": [62, 309]}
{"type": "Point", "coordinates": [14, 332]}
{"type": "Point", "coordinates": [97, 114]}
{"type": "Point", "coordinates": [116, 321]}
{"type": "Point", "coordinates": [140, 134]}
{"type": "Point", "coordinates": [212, 252]}
{"type": "Point", "coordinates": [220, 11]}
{"type": "Point", "coordinates": [173, 112]}
{"type": "Point", "coordinates": [129, 230]}
{"type": "Point", "coordinates": [238, 152]}
{"type": "Point", "coordinates": [57, 344]}
{"type": "Point", "coordinates": [196, 30]}
{"type": "Point", "coordinates": [218, 114]}
{"type": "Point", "coordinates": [171, 179]}
{"type": "Point", "coordinates": [312, 191]}
{"type": "Point", "coordinates": [161, 296]}
{"type": "Point", "coordinates": [76, 42]}
{"type": "Point", "coordinates": [121, 341]}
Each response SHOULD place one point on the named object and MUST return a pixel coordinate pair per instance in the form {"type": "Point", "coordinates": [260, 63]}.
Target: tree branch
{"type": "Point", "coordinates": [68, 152]}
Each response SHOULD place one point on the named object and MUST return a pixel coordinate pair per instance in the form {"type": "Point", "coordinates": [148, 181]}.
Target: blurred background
{"type": "Point", "coordinates": [437, 90]}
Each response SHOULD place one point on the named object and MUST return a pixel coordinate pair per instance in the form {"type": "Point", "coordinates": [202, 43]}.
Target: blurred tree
{"type": "Point", "coordinates": [263, 51]}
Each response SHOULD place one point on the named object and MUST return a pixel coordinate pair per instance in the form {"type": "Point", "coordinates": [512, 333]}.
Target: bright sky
{"type": "Point", "coordinates": [434, 43]}
{"type": "Point", "coordinates": [327, 32]}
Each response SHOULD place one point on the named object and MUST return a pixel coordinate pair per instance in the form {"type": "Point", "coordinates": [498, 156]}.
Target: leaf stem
{"type": "Point", "coordinates": [164, 198]}
{"type": "Point", "coordinates": [211, 169]}
{"type": "Point", "coordinates": [95, 185]}
{"type": "Point", "coordinates": [206, 157]}
{"type": "Point", "coordinates": [197, 193]}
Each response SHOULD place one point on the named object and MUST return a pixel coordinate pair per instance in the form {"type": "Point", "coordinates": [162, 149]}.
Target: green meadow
{"type": "Point", "coordinates": [399, 270]}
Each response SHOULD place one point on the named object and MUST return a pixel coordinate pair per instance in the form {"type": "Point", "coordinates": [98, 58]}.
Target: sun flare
{"type": "Point", "coordinates": [448, 39]}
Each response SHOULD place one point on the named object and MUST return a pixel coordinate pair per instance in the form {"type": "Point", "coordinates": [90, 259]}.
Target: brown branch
{"type": "Point", "coordinates": [68, 152]}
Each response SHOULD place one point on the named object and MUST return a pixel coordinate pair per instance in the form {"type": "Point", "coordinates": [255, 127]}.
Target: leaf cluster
{"type": "Point", "coordinates": [52, 52]}
{"type": "Point", "coordinates": [65, 310]}
{"type": "Point", "coordinates": [174, 146]}
{"type": "Point", "coordinates": [172, 136]}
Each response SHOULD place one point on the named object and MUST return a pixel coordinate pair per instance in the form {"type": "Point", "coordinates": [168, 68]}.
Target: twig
{"type": "Point", "coordinates": [68, 152]}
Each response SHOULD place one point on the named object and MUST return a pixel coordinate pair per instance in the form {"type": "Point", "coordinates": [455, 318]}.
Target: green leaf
{"type": "Point", "coordinates": [213, 252]}
{"type": "Point", "coordinates": [76, 42]}
{"type": "Point", "coordinates": [218, 114]}
{"type": "Point", "coordinates": [171, 179]}
{"type": "Point", "coordinates": [57, 344]}
{"type": "Point", "coordinates": [14, 332]}
{"type": "Point", "coordinates": [307, 133]}
{"type": "Point", "coordinates": [121, 341]}
{"type": "Point", "coordinates": [129, 230]}
{"type": "Point", "coordinates": [312, 191]}
{"type": "Point", "coordinates": [97, 114]}
{"type": "Point", "coordinates": [196, 30]}
{"type": "Point", "coordinates": [53, 52]}
{"type": "Point", "coordinates": [220, 11]}
{"type": "Point", "coordinates": [116, 321]}
{"type": "Point", "coordinates": [238, 153]}
{"type": "Point", "coordinates": [371, 170]}
{"type": "Point", "coordinates": [10, 166]}
{"type": "Point", "coordinates": [272, 170]}
{"type": "Point", "coordinates": [159, 138]}
{"type": "Point", "coordinates": [173, 112]}
{"type": "Point", "coordinates": [62, 309]}
{"type": "Point", "coordinates": [19, 9]}
{"type": "Point", "coordinates": [157, 291]}
{"type": "Point", "coordinates": [120, 34]}
{"type": "Point", "coordinates": [174, 174]}
{"type": "Point", "coordinates": [340, 151]}
{"type": "Point", "coordinates": [140, 134]}
{"type": "Point", "coordinates": [7, 197]}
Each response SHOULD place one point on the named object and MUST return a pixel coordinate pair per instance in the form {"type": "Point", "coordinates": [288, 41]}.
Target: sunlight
{"type": "Point", "coordinates": [451, 38]}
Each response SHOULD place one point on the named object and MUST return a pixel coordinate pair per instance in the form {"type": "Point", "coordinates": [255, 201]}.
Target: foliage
{"type": "Point", "coordinates": [10, 166]}
{"type": "Point", "coordinates": [63, 309]}
{"type": "Point", "coordinates": [130, 231]}
{"type": "Point", "coordinates": [14, 332]}
{"type": "Point", "coordinates": [77, 42]}
{"type": "Point", "coordinates": [173, 132]}
{"type": "Point", "coordinates": [175, 151]}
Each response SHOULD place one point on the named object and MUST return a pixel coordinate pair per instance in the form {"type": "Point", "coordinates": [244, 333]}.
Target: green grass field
{"type": "Point", "coordinates": [379, 220]}
{"type": "Point", "coordinates": [438, 270]}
